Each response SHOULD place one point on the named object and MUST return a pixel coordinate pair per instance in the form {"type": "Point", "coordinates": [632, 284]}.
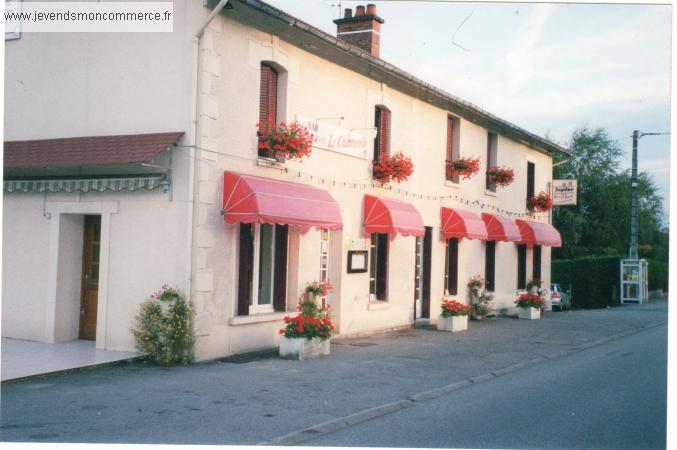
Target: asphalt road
{"type": "Point", "coordinates": [612, 396]}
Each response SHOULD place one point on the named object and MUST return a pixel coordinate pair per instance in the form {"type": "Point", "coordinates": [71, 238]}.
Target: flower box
{"type": "Point", "coordinates": [396, 168]}
{"type": "Point", "coordinates": [464, 167]}
{"type": "Point", "coordinates": [452, 323]}
{"type": "Point", "coordinates": [303, 348]}
{"type": "Point", "coordinates": [501, 176]}
{"type": "Point", "coordinates": [540, 203]}
{"type": "Point", "coordinates": [529, 313]}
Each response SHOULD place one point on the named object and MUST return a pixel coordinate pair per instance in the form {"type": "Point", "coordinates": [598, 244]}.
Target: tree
{"type": "Point", "coordinates": [599, 223]}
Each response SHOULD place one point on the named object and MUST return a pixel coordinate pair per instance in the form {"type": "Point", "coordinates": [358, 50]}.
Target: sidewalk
{"type": "Point", "coordinates": [269, 400]}
{"type": "Point", "coordinates": [22, 359]}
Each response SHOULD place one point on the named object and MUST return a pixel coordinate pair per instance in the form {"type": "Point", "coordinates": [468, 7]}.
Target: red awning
{"type": "Point", "coordinates": [247, 198]}
{"type": "Point", "coordinates": [457, 223]}
{"type": "Point", "coordinates": [385, 215]}
{"type": "Point", "coordinates": [537, 233]}
{"type": "Point", "coordinates": [501, 228]}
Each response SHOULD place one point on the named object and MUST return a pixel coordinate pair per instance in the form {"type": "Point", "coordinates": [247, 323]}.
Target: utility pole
{"type": "Point", "coordinates": [634, 248]}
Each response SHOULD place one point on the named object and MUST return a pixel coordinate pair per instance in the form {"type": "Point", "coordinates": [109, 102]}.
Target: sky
{"type": "Point", "coordinates": [547, 67]}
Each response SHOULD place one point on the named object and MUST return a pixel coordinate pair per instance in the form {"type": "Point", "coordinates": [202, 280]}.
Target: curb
{"type": "Point", "coordinates": [72, 370]}
{"type": "Point", "coordinates": [365, 415]}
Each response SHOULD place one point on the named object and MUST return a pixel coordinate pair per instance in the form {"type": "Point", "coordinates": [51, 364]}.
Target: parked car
{"type": "Point", "coordinates": [559, 297]}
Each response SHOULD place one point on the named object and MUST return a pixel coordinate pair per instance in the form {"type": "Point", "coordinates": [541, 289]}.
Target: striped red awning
{"type": "Point", "coordinates": [247, 198]}
{"type": "Point", "coordinates": [457, 223]}
{"type": "Point", "coordinates": [537, 233]}
{"type": "Point", "coordinates": [501, 228]}
{"type": "Point", "coordinates": [385, 215]}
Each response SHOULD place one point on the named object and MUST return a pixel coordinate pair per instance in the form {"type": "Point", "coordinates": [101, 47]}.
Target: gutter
{"type": "Point", "coordinates": [535, 140]}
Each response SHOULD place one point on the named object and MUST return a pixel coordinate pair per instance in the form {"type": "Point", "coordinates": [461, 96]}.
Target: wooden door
{"type": "Point", "coordinates": [427, 262]}
{"type": "Point", "coordinates": [90, 277]}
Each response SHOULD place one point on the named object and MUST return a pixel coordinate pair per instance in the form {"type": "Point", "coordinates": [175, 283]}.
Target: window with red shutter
{"type": "Point", "coordinates": [267, 97]}
{"type": "Point", "coordinates": [452, 153]}
{"type": "Point", "coordinates": [382, 139]}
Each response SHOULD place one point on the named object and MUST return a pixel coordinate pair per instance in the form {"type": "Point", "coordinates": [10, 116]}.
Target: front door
{"type": "Point", "coordinates": [90, 277]}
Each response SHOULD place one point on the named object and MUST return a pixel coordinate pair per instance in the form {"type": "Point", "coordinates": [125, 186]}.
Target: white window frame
{"type": "Point", "coordinates": [255, 307]}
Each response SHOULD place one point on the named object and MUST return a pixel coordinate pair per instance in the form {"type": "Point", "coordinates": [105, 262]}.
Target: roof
{"type": "Point", "coordinates": [87, 151]}
{"type": "Point", "coordinates": [269, 19]}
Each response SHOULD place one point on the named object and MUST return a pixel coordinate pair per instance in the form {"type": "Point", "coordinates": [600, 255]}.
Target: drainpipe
{"type": "Point", "coordinates": [192, 166]}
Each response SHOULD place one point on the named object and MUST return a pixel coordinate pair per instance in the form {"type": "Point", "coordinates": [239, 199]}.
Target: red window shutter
{"type": "Point", "coordinates": [246, 272]}
{"type": "Point", "coordinates": [268, 95]}
{"type": "Point", "coordinates": [384, 129]}
{"type": "Point", "coordinates": [450, 138]}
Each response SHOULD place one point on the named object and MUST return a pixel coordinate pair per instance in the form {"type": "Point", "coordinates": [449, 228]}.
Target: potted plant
{"type": "Point", "coordinates": [283, 140]}
{"type": "Point", "coordinates": [530, 306]}
{"type": "Point", "coordinates": [465, 167]}
{"type": "Point", "coordinates": [501, 176]}
{"type": "Point", "coordinates": [163, 330]}
{"type": "Point", "coordinates": [482, 306]}
{"type": "Point", "coordinates": [308, 334]}
{"type": "Point", "coordinates": [395, 168]}
{"type": "Point", "coordinates": [540, 203]}
{"type": "Point", "coordinates": [454, 316]}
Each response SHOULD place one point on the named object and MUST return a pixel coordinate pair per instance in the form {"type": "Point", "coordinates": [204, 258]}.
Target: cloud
{"type": "Point", "coordinates": [520, 60]}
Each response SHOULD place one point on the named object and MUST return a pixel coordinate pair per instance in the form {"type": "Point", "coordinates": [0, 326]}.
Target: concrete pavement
{"type": "Point", "coordinates": [275, 401]}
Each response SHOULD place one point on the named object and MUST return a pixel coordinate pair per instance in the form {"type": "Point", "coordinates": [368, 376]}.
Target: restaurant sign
{"type": "Point", "coordinates": [564, 192]}
{"type": "Point", "coordinates": [336, 139]}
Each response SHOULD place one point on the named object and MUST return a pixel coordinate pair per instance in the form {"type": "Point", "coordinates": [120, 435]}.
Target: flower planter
{"type": "Point", "coordinates": [452, 323]}
{"type": "Point", "coordinates": [529, 313]}
{"type": "Point", "coordinates": [302, 348]}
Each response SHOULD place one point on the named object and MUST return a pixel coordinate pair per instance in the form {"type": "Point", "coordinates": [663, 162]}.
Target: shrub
{"type": "Point", "coordinates": [658, 275]}
{"type": "Point", "coordinates": [164, 328]}
{"type": "Point", "coordinates": [594, 280]}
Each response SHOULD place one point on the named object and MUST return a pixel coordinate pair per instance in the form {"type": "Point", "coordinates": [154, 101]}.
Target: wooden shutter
{"type": "Point", "coordinates": [531, 174]}
{"type": "Point", "coordinates": [268, 95]}
{"type": "Point", "coordinates": [452, 266]}
{"type": "Point", "coordinates": [521, 266]}
{"type": "Point", "coordinates": [246, 273]}
{"type": "Point", "coordinates": [489, 265]}
{"type": "Point", "coordinates": [450, 138]}
{"type": "Point", "coordinates": [384, 131]}
{"type": "Point", "coordinates": [377, 139]}
{"type": "Point", "coordinates": [280, 280]}
{"type": "Point", "coordinates": [537, 262]}
{"type": "Point", "coordinates": [382, 267]}
{"type": "Point", "coordinates": [427, 266]}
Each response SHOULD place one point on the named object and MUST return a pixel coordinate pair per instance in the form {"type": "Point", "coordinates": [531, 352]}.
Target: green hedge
{"type": "Point", "coordinates": [594, 280]}
{"type": "Point", "coordinates": [658, 275]}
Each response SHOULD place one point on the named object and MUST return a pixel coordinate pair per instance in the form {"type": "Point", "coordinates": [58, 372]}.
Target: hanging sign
{"type": "Point", "coordinates": [336, 139]}
{"type": "Point", "coordinates": [564, 192]}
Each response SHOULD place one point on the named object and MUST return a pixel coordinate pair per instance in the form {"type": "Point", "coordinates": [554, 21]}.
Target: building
{"type": "Point", "coordinates": [206, 212]}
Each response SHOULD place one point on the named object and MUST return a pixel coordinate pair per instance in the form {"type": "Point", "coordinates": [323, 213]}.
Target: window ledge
{"type": "Point", "coordinates": [489, 193]}
{"type": "Point", "coordinates": [262, 161]}
{"type": "Point", "coordinates": [378, 305]}
{"type": "Point", "coordinates": [257, 318]}
{"type": "Point", "coordinates": [452, 184]}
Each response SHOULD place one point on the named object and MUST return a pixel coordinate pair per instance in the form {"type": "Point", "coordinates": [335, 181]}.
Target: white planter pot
{"type": "Point", "coordinates": [301, 348]}
{"type": "Point", "coordinates": [529, 313]}
{"type": "Point", "coordinates": [453, 323]}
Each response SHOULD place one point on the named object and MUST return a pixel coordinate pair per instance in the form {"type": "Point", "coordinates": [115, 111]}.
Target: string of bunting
{"type": "Point", "coordinates": [361, 185]}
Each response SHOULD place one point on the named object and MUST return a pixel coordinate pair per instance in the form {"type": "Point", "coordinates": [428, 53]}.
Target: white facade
{"type": "Point", "coordinates": [134, 84]}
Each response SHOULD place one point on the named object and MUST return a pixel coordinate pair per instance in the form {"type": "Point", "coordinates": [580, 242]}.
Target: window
{"type": "Point", "coordinates": [453, 142]}
{"type": "Point", "coordinates": [378, 267]}
{"type": "Point", "coordinates": [489, 265]}
{"type": "Point", "coordinates": [492, 158]}
{"type": "Point", "coordinates": [531, 175]}
{"type": "Point", "coordinates": [521, 266]}
{"type": "Point", "coordinates": [537, 262]}
{"type": "Point", "coordinates": [382, 139]}
{"type": "Point", "coordinates": [268, 97]}
{"type": "Point", "coordinates": [451, 273]}
{"type": "Point", "coordinates": [262, 284]}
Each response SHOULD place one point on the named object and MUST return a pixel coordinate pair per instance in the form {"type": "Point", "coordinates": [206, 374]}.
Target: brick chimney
{"type": "Point", "coordinates": [362, 30]}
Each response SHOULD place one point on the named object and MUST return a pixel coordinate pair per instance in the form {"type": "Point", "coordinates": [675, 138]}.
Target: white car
{"type": "Point", "coordinates": [559, 298]}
